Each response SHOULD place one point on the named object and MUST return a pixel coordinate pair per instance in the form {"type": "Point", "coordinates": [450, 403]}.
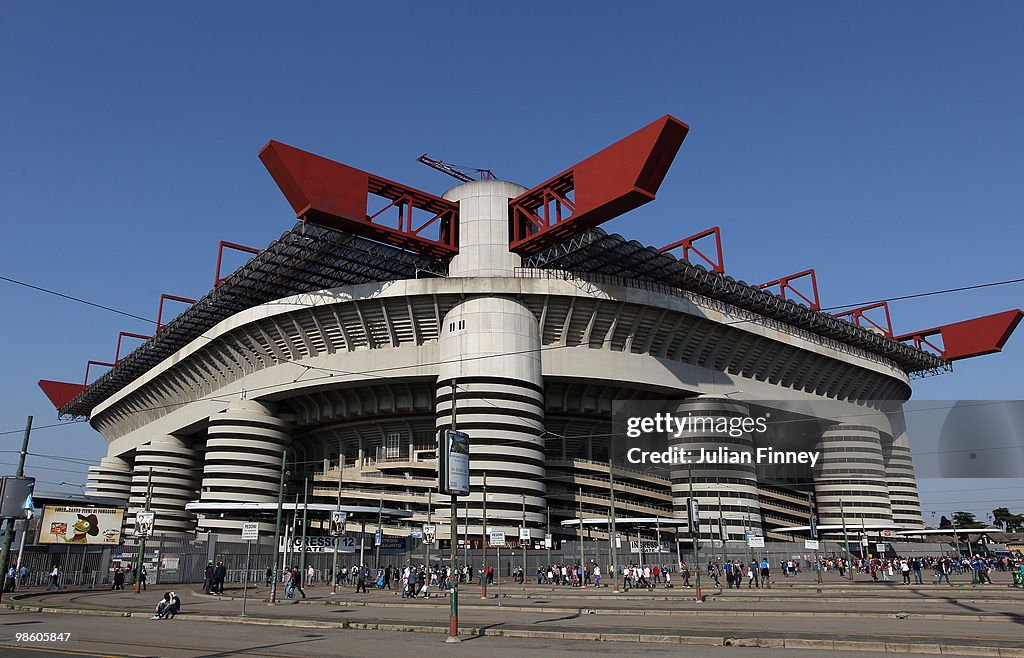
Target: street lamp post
{"type": "Point", "coordinates": [142, 538]}
{"type": "Point", "coordinates": [277, 527]}
{"type": "Point", "coordinates": [337, 540]}
{"type": "Point", "coordinates": [613, 537]}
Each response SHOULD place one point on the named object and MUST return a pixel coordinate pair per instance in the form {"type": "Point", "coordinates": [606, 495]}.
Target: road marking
{"type": "Point", "coordinates": [60, 651]}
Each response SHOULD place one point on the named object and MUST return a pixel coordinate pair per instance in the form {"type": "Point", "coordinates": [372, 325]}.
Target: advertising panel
{"type": "Point", "coordinates": [80, 525]}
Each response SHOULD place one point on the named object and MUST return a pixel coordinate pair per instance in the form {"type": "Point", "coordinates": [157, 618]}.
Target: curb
{"type": "Point", "coordinates": [640, 638]}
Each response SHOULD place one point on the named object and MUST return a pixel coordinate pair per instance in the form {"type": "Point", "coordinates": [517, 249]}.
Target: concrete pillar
{"type": "Point", "coordinates": [736, 483]}
{"type": "Point", "coordinates": [112, 478]}
{"type": "Point", "coordinates": [851, 468]}
{"type": "Point", "coordinates": [243, 460]}
{"type": "Point", "coordinates": [175, 467]}
{"type": "Point", "coordinates": [491, 345]}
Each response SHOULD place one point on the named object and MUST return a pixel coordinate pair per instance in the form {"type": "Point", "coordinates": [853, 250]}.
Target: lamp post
{"type": "Point", "coordinates": [483, 537]}
{"type": "Point", "coordinates": [9, 534]}
{"type": "Point", "coordinates": [613, 537]}
{"type": "Point", "coordinates": [341, 530]}
{"type": "Point", "coordinates": [846, 539]}
{"type": "Point", "coordinates": [142, 538]}
{"type": "Point", "coordinates": [277, 527]}
{"type": "Point", "coordinates": [453, 584]}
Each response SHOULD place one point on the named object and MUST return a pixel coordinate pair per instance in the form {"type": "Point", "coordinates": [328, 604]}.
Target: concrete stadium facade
{"type": "Point", "coordinates": [354, 382]}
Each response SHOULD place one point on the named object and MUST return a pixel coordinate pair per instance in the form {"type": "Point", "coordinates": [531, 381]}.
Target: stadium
{"type": "Point", "coordinates": [387, 313]}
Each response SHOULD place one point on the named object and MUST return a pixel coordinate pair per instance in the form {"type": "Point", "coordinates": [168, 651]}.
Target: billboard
{"type": "Point", "coordinates": [453, 466]}
{"type": "Point", "coordinates": [80, 525]}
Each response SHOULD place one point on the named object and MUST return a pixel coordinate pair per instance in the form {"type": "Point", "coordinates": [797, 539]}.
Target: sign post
{"type": "Point", "coordinates": [453, 478]}
{"type": "Point", "coordinates": [250, 532]}
{"type": "Point", "coordinates": [144, 527]}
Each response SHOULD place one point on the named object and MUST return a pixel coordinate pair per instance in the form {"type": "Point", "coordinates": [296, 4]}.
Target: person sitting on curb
{"type": "Point", "coordinates": [168, 607]}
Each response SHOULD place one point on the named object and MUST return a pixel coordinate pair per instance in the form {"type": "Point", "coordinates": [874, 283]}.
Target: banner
{"type": "Point", "coordinates": [80, 525]}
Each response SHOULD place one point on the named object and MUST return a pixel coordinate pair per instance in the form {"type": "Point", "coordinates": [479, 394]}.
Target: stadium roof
{"type": "Point", "coordinates": [307, 258]}
{"type": "Point", "coordinates": [311, 257]}
{"type": "Point", "coordinates": [628, 262]}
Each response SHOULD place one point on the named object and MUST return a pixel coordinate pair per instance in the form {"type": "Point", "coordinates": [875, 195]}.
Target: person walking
{"type": "Point", "coordinates": [295, 583]}
{"type": "Point", "coordinates": [361, 580]}
{"type": "Point", "coordinates": [142, 577]}
{"type": "Point", "coordinates": [268, 576]}
{"type": "Point", "coordinates": [54, 579]}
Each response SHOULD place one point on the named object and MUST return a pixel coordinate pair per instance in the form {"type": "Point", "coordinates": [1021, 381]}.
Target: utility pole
{"type": "Point", "coordinates": [846, 539]}
{"type": "Point", "coordinates": [548, 539]}
{"type": "Point", "coordinates": [5, 552]}
{"type": "Point", "coordinates": [465, 532]}
{"type": "Point", "coordinates": [277, 527]}
{"type": "Point", "coordinates": [694, 531]}
{"type": "Point", "coordinates": [378, 537]}
{"type": "Point", "coordinates": [453, 620]}
{"type": "Point", "coordinates": [305, 518]}
{"type": "Point", "coordinates": [522, 542]}
{"type": "Point", "coordinates": [723, 536]}
{"type": "Point", "coordinates": [813, 522]}
{"type": "Point", "coordinates": [483, 535]}
{"type": "Point", "coordinates": [430, 511]}
{"type": "Point", "coordinates": [614, 537]}
{"type": "Point", "coordinates": [580, 570]}
{"type": "Point", "coordinates": [142, 539]}
{"type": "Point", "coordinates": [337, 540]}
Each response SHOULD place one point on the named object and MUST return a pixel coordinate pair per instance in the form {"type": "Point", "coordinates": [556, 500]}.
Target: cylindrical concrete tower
{"type": "Point", "coordinates": [899, 469]}
{"type": "Point", "coordinates": [111, 479]}
{"type": "Point", "coordinates": [243, 458]}
{"type": "Point", "coordinates": [175, 467]}
{"type": "Point", "coordinates": [491, 346]}
{"type": "Point", "coordinates": [851, 470]}
{"type": "Point", "coordinates": [735, 483]}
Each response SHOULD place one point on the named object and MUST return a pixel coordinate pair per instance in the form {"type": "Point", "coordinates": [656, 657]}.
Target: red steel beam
{"type": "Point", "coordinates": [718, 264]}
{"type": "Point", "coordinates": [785, 283]}
{"type": "Point", "coordinates": [613, 181]}
{"type": "Point", "coordinates": [160, 310]}
{"type": "Point", "coordinates": [217, 280]}
{"type": "Point", "coordinates": [969, 338]}
{"type": "Point", "coordinates": [126, 334]}
{"type": "Point", "coordinates": [858, 318]}
{"type": "Point", "coordinates": [60, 393]}
{"type": "Point", "coordinates": [326, 192]}
{"type": "Point", "coordinates": [90, 363]}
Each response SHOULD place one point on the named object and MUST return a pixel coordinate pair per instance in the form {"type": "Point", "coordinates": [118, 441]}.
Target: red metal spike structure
{"type": "Point", "coordinates": [785, 283]}
{"type": "Point", "coordinates": [718, 264]}
{"type": "Point", "coordinates": [326, 192]}
{"type": "Point", "coordinates": [126, 334]}
{"type": "Point", "coordinates": [60, 393]}
{"type": "Point", "coordinates": [963, 340]}
{"type": "Point", "coordinates": [217, 278]}
{"type": "Point", "coordinates": [90, 363]}
{"type": "Point", "coordinates": [858, 318]}
{"type": "Point", "coordinates": [160, 311]}
{"type": "Point", "coordinates": [611, 182]}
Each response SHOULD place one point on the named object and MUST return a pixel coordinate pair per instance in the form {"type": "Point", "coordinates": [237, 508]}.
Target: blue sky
{"type": "Point", "coordinates": [881, 143]}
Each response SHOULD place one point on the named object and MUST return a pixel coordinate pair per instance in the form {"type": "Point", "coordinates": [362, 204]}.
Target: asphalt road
{"type": "Point", "coordinates": [105, 636]}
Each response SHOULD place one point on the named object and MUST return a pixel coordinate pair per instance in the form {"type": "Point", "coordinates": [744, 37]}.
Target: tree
{"type": "Point", "coordinates": [965, 520]}
{"type": "Point", "coordinates": [1011, 522]}
{"type": "Point", "coordinates": [944, 523]}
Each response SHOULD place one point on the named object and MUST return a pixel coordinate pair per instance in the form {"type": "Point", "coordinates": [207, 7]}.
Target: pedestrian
{"type": "Point", "coordinates": [220, 574]}
{"type": "Point", "coordinates": [142, 577]}
{"type": "Point", "coordinates": [54, 579]}
{"type": "Point", "coordinates": [10, 582]}
{"type": "Point", "coordinates": [295, 583]}
{"type": "Point", "coordinates": [361, 579]}
{"type": "Point", "coordinates": [766, 582]}
{"type": "Point", "coordinates": [208, 578]}
{"type": "Point", "coordinates": [268, 576]}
